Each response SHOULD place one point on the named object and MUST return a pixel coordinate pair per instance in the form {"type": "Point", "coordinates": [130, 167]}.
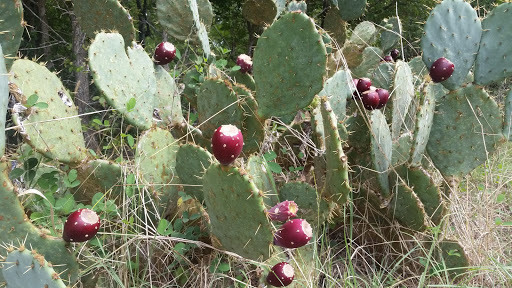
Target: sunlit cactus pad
{"type": "Point", "coordinates": [11, 29]}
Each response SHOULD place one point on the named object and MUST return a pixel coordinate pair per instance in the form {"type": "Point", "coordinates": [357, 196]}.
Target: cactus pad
{"type": "Point", "coordinates": [452, 254]}
{"type": "Point", "coordinates": [507, 127]}
{"type": "Point", "coordinates": [401, 149]}
{"type": "Point", "coordinates": [453, 31]}
{"type": "Point", "coordinates": [337, 186]}
{"type": "Point", "coordinates": [383, 75]}
{"type": "Point", "coordinates": [167, 99]}
{"type": "Point", "coordinates": [18, 227]}
{"type": "Point", "coordinates": [407, 209]}
{"type": "Point", "coordinates": [390, 35]}
{"type": "Point", "coordinates": [124, 76]}
{"type": "Point", "coordinates": [494, 59]}
{"type": "Point", "coordinates": [365, 33]}
{"type": "Point", "coordinates": [350, 9]}
{"type": "Point", "coordinates": [104, 15]}
{"type": "Point", "coordinates": [230, 197]}
{"type": "Point", "coordinates": [382, 149]}
{"type": "Point", "coordinates": [467, 126]}
{"type": "Point", "coordinates": [289, 61]}
{"type": "Point", "coordinates": [371, 59]}
{"type": "Point", "coordinates": [259, 12]}
{"type": "Point", "coordinates": [23, 268]}
{"type": "Point", "coordinates": [402, 97]}
{"type": "Point", "coordinates": [262, 176]}
{"type": "Point", "coordinates": [338, 89]}
{"type": "Point", "coordinates": [336, 27]}
{"type": "Point", "coordinates": [243, 78]}
{"type": "Point", "coordinates": [253, 127]}
{"type": "Point", "coordinates": [61, 139]}
{"type": "Point", "coordinates": [311, 207]}
{"type": "Point", "coordinates": [424, 124]}
{"type": "Point", "coordinates": [99, 176]}
{"type": "Point", "coordinates": [191, 163]}
{"type": "Point", "coordinates": [11, 29]}
{"type": "Point", "coordinates": [176, 16]}
{"type": "Point", "coordinates": [4, 100]}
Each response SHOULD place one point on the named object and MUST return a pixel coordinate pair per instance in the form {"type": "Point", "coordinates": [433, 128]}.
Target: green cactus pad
{"type": "Point", "coordinates": [453, 31]}
{"type": "Point", "coordinates": [383, 75]}
{"type": "Point", "coordinates": [104, 15]}
{"type": "Point", "coordinates": [452, 254]}
{"type": "Point", "coordinates": [424, 123]}
{"type": "Point", "coordinates": [337, 185]}
{"type": "Point", "coordinates": [353, 54]}
{"type": "Point", "coordinates": [167, 98]}
{"type": "Point", "coordinates": [17, 227]}
{"type": "Point", "coordinates": [230, 197]}
{"type": "Point", "coordinates": [289, 61]}
{"type": "Point", "coordinates": [156, 159]}
{"type": "Point", "coordinates": [390, 35]}
{"type": "Point", "coordinates": [494, 59]}
{"type": "Point", "coordinates": [262, 176]}
{"type": "Point", "coordinates": [507, 127]}
{"type": "Point", "coordinates": [382, 148]}
{"type": "Point", "coordinates": [202, 32]}
{"type": "Point", "coordinates": [191, 163]}
{"type": "Point", "coordinates": [467, 125]}
{"type": "Point", "coordinates": [4, 101]}
{"type": "Point", "coordinates": [213, 99]}
{"type": "Point", "coordinates": [402, 97]}
{"type": "Point", "coordinates": [336, 27]}
{"type": "Point", "coordinates": [243, 78]}
{"type": "Point", "coordinates": [253, 127]}
{"type": "Point", "coordinates": [176, 16]}
{"type": "Point", "coordinates": [350, 9]}
{"type": "Point", "coordinates": [311, 207]}
{"type": "Point", "coordinates": [61, 139]}
{"type": "Point", "coordinates": [99, 176]}
{"type": "Point", "coordinates": [424, 187]}
{"type": "Point", "coordinates": [419, 71]}
{"type": "Point", "coordinates": [23, 268]}
{"type": "Point", "coordinates": [11, 29]}
{"type": "Point", "coordinates": [338, 89]}
{"type": "Point", "coordinates": [260, 12]}
{"type": "Point", "coordinates": [358, 139]}
{"type": "Point", "coordinates": [191, 80]}
{"type": "Point", "coordinates": [123, 76]}
{"type": "Point", "coordinates": [371, 59]}
{"type": "Point", "coordinates": [401, 149]}
{"type": "Point", "coordinates": [297, 6]}
{"type": "Point", "coordinates": [365, 33]}
{"type": "Point", "coordinates": [407, 209]}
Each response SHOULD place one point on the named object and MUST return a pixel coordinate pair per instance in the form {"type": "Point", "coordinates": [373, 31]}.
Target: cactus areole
{"type": "Point", "coordinates": [165, 52]}
{"type": "Point", "coordinates": [245, 63]}
{"type": "Point", "coordinates": [227, 144]}
{"type": "Point", "coordinates": [293, 234]}
{"type": "Point", "coordinates": [281, 275]}
{"type": "Point", "coordinates": [441, 70]}
{"type": "Point", "coordinates": [81, 225]}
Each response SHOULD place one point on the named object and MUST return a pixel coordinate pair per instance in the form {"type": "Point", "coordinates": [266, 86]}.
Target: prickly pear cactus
{"type": "Point", "coordinates": [312, 207]}
{"type": "Point", "coordinates": [336, 27]}
{"type": "Point", "coordinates": [98, 175]}
{"type": "Point", "coordinates": [191, 163]}
{"type": "Point", "coordinates": [237, 214]}
{"type": "Point", "coordinates": [54, 131]}
{"type": "Point", "coordinates": [381, 149]}
{"type": "Point", "coordinates": [289, 61]}
{"type": "Point", "coordinates": [350, 9]}
{"type": "Point", "coordinates": [337, 89]}
{"type": "Point", "coordinates": [104, 15]}
{"type": "Point", "coordinates": [4, 100]}
{"type": "Point", "coordinates": [365, 33]}
{"type": "Point", "coordinates": [167, 99]}
{"type": "Point", "coordinates": [402, 98]}
{"type": "Point", "coordinates": [23, 268]}
{"type": "Point", "coordinates": [507, 127]}
{"type": "Point", "coordinates": [261, 175]}
{"type": "Point", "coordinates": [390, 34]}
{"type": "Point", "coordinates": [424, 124]}
{"type": "Point", "coordinates": [260, 12]}
{"type": "Point", "coordinates": [11, 29]}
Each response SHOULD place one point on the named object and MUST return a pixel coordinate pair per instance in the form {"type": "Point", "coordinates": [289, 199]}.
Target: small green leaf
{"type": "Point", "coordinates": [221, 63]}
{"type": "Point", "coordinates": [224, 267]}
{"type": "Point", "coordinates": [180, 248]}
{"type": "Point", "coordinates": [130, 140]}
{"type": "Point", "coordinates": [41, 105]}
{"type": "Point", "coordinates": [131, 104]}
{"type": "Point", "coordinates": [236, 68]}
{"type": "Point", "coordinates": [97, 121]}
{"type": "Point", "coordinates": [72, 175]}
{"type": "Point", "coordinates": [270, 155]}
{"type": "Point", "coordinates": [31, 163]}
{"type": "Point", "coordinates": [16, 172]}
{"type": "Point", "coordinates": [31, 100]}
{"type": "Point", "coordinates": [164, 227]}
{"type": "Point", "coordinates": [500, 198]}
{"type": "Point", "coordinates": [274, 167]}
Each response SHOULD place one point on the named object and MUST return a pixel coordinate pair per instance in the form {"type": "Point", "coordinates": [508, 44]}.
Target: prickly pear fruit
{"type": "Point", "coordinates": [283, 211]}
{"type": "Point", "coordinates": [245, 63]}
{"type": "Point", "coordinates": [164, 53]}
{"type": "Point", "coordinates": [363, 85]}
{"type": "Point", "coordinates": [383, 97]}
{"type": "Point", "coordinates": [293, 234]}
{"type": "Point", "coordinates": [227, 144]}
{"type": "Point", "coordinates": [388, 58]}
{"type": "Point", "coordinates": [81, 225]}
{"type": "Point", "coordinates": [370, 99]}
{"type": "Point", "coordinates": [441, 70]}
{"type": "Point", "coordinates": [395, 54]}
{"type": "Point", "coordinates": [281, 275]}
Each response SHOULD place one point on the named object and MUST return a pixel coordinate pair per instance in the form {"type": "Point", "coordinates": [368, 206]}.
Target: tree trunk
{"type": "Point", "coordinates": [45, 36]}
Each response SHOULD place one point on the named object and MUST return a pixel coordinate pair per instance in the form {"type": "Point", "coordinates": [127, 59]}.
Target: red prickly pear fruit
{"type": "Point", "coordinates": [441, 70]}
{"type": "Point", "coordinates": [293, 234]}
{"type": "Point", "coordinates": [245, 63]}
{"type": "Point", "coordinates": [81, 225]}
{"type": "Point", "coordinates": [165, 52]}
{"type": "Point", "coordinates": [363, 85]}
{"type": "Point", "coordinates": [370, 99]}
{"type": "Point", "coordinates": [395, 54]}
{"type": "Point", "coordinates": [383, 97]}
{"type": "Point", "coordinates": [227, 144]}
{"type": "Point", "coordinates": [388, 58]}
{"type": "Point", "coordinates": [283, 211]}
{"type": "Point", "coordinates": [281, 275]}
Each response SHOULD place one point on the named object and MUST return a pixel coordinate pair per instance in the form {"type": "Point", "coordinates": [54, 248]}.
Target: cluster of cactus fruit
{"type": "Point", "coordinates": [287, 75]}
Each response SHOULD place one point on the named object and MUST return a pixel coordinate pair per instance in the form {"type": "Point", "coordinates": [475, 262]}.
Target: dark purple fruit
{"type": "Point", "coordinates": [245, 63]}
{"type": "Point", "coordinates": [293, 234]}
{"type": "Point", "coordinates": [363, 85]}
{"type": "Point", "coordinates": [281, 275]}
{"type": "Point", "coordinates": [370, 99]}
{"type": "Point", "coordinates": [395, 54]}
{"type": "Point", "coordinates": [81, 226]}
{"type": "Point", "coordinates": [383, 97]}
{"type": "Point", "coordinates": [227, 144]}
{"type": "Point", "coordinates": [441, 70]}
{"type": "Point", "coordinates": [283, 211]}
{"type": "Point", "coordinates": [388, 58]}
{"type": "Point", "coordinates": [165, 52]}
